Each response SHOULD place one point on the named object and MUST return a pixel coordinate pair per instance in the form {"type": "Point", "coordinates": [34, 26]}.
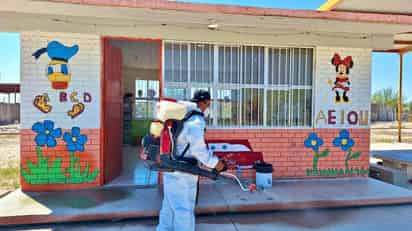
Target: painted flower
{"type": "Point", "coordinates": [313, 142]}
{"type": "Point", "coordinates": [74, 140]}
{"type": "Point", "coordinates": [224, 147]}
{"type": "Point", "coordinates": [46, 133]}
{"type": "Point", "coordinates": [344, 141]}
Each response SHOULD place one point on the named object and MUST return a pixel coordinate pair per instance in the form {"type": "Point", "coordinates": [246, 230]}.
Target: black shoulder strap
{"type": "Point", "coordinates": [192, 113]}
{"type": "Point", "coordinates": [182, 155]}
{"type": "Point", "coordinates": [187, 117]}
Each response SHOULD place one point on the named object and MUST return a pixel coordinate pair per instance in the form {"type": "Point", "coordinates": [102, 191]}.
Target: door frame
{"type": "Point", "coordinates": [103, 41]}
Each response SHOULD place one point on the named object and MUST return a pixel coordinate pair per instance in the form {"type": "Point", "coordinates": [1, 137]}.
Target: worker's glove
{"type": "Point", "coordinates": [221, 166]}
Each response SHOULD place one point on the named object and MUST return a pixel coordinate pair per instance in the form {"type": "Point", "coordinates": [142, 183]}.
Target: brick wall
{"type": "Point", "coordinates": [285, 149]}
{"type": "Point", "coordinates": [89, 157]}
{"type": "Point", "coordinates": [54, 169]}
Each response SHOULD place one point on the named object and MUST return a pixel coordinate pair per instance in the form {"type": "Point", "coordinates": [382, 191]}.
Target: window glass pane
{"type": "Point", "coordinates": [201, 63]}
{"type": "Point", "coordinates": [175, 63]}
{"type": "Point", "coordinates": [294, 57]}
{"type": "Point", "coordinates": [176, 93]}
{"type": "Point", "coordinates": [252, 107]}
{"type": "Point", "coordinates": [253, 65]}
{"type": "Point", "coordinates": [247, 65]}
{"type": "Point", "coordinates": [309, 67]}
{"type": "Point", "coordinates": [228, 108]}
{"type": "Point", "coordinates": [284, 66]}
{"type": "Point", "coordinates": [277, 108]}
{"type": "Point", "coordinates": [307, 115]}
{"type": "Point", "coordinates": [229, 64]}
{"type": "Point", "coordinates": [168, 71]}
{"type": "Point", "coordinates": [274, 65]}
{"type": "Point", "coordinates": [146, 93]}
{"type": "Point", "coordinates": [303, 71]}
{"type": "Point", "coordinates": [297, 107]}
{"type": "Point", "coordinates": [147, 88]}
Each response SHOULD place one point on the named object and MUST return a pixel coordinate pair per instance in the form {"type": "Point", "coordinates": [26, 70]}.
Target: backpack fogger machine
{"type": "Point", "coordinates": [159, 146]}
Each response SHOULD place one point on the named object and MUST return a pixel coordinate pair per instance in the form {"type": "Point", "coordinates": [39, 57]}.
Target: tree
{"type": "Point", "coordinates": [388, 97]}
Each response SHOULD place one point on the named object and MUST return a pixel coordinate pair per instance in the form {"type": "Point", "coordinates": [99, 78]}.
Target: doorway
{"type": "Point", "coordinates": [137, 89]}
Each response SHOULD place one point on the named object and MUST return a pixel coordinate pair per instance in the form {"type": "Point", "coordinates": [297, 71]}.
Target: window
{"type": "Point", "coordinates": [251, 86]}
{"type": "Point", "coordinates": [241, 85]}
{"type": "Point", "coordinates": [289, 90]}
{"type": "Point", "coordinates": [147, 93]}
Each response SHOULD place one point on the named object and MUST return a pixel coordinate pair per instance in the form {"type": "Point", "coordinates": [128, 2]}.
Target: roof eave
{"type": "Point", "coordinates": [254, 11]}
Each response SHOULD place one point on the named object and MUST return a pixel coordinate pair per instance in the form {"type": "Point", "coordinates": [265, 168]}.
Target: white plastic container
{"type": "Point", "coordinates": [264, 174]}
{"type": "Point", "coordinates": [169, 109]}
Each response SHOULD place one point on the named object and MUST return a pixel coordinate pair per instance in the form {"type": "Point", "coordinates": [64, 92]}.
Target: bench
{"type": "Point", "coordinates": [389, 175]}
{"type": "Point", "coordinates": [237, 159]}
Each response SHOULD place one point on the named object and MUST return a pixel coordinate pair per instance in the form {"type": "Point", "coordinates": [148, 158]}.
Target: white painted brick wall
{"type": "Point", "coordinates": [360, 88]}
{"type": "Point", "coordinates": [85, 70]}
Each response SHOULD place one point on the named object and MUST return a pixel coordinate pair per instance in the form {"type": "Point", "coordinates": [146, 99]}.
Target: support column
{"type": "Point", "coordinates": [400, 97]}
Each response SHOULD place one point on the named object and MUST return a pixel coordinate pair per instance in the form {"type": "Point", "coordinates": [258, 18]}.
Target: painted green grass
{"type": "Point", "coordinates": [338, 172]}
{"type": "Point", "coordinates": [76, 175]}
{"type": "Point", "coordinates": [45, 173]}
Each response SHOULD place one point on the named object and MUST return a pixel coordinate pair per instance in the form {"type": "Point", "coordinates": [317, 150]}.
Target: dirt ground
{"type": "Point", "coordinates": [387, 132]}
{"type": "Point", "coordinates": [9, 161]}
{"type": "Point", "coordinates": [9, 149]}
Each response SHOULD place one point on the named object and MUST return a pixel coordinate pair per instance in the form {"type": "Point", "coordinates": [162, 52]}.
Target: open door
{"type": "Point", "coordinates": [112, 111]}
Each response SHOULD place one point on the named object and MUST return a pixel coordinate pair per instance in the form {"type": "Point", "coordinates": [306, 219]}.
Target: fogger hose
{"type": "Point", "coordinates": [244, 189]}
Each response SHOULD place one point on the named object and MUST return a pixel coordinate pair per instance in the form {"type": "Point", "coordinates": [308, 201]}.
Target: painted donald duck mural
{"type": "Point", "coordinates": [58, 71]}
{"type": "Point", "coordinates": [342, 84]}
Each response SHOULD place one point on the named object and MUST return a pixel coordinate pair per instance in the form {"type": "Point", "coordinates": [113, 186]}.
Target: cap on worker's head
{"type": "Point", "coordinates": [200, 95]}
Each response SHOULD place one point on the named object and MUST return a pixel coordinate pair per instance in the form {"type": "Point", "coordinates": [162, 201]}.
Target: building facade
{"type": "Point", "coordinates": [302, 98]}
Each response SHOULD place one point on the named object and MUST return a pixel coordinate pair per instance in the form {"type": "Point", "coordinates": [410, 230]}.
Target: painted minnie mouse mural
{"type": "Point", "coordinates": [342, 83]}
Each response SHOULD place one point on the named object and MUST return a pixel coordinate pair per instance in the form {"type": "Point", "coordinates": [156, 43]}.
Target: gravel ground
{"type": "Point", "coordinates": [9, 150]}
{"type": "Point", "coordinates": [390, 124]}
{"type": "Point", "coordinates": [9, 162]}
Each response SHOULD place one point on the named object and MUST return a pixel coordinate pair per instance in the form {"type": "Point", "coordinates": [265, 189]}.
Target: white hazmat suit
{"type": "Point", "coordinates": [180, 189]}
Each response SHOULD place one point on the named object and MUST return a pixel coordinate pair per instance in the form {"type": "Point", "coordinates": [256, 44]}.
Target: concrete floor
{"type": "Point", "coordinates": [134, 173]}
{"type": "Point", "coordinates": [381, 218]}
{"type": "Point", "coordinates": [132, 202]}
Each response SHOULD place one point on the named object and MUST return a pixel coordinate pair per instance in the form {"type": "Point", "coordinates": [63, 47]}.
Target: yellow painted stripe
{"type": "Point", "coordinates": [56, 62]}
{"type": "Point", "coordinates": [329, 5]}
{"type": "Point", "coordinates": [59, 77]}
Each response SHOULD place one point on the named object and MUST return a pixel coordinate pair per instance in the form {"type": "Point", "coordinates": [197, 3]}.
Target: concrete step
{"type": "Point", "coordinates": [110, 203]}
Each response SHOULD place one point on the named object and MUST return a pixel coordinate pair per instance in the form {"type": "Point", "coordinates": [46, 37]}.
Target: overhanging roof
{"type": "Point", "coordinates": [242, 10]}
{"type": "Point", "coordinates": [376, 6]}
{"type": "Point", "coordinates": [402, 41]}
{"type": "Point", "coordinates": [189, 21]}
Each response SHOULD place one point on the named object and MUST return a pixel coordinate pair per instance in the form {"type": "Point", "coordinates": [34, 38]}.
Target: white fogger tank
{"type": "Point", "coordinates": [169, 109]}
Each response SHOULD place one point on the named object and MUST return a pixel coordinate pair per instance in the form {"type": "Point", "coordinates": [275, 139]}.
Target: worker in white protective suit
{"type": "Point", "coordinates": [180, 189]}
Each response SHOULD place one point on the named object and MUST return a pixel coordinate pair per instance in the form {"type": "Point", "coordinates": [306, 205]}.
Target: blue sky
{"type": "Point", "coordinates": [9, 57]}
{"type": "Point", "coordinates": [385, 67]}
